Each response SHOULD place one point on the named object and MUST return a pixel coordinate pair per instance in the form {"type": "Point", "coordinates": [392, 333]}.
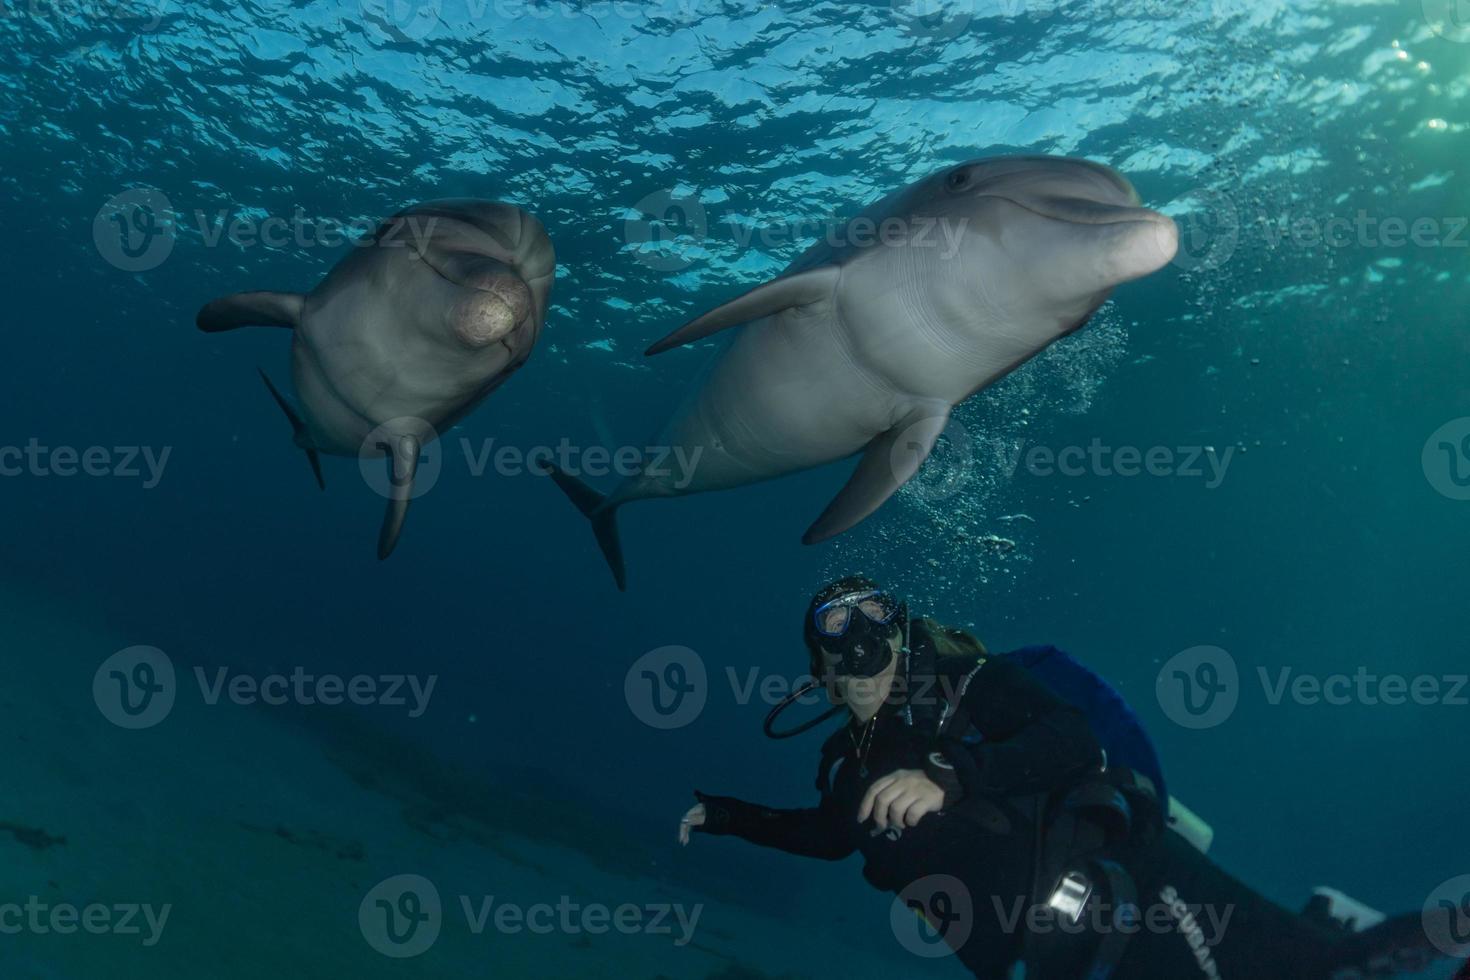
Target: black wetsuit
{"type": "Point", "coordinates": [1022, 749]}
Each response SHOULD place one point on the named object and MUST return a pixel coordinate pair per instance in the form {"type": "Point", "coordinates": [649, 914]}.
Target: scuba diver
{"type": "Point", "coordinates": [1013, 803]}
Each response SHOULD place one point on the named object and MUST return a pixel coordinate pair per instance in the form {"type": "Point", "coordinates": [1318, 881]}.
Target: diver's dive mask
{"type": "Point", "coordinates": [857, 628]}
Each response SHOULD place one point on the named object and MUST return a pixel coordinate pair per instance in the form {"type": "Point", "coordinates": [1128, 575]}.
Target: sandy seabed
{"type": "Point", "coordinates": [275, 850]}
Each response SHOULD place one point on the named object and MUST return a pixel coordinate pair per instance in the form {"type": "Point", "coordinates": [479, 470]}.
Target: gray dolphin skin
{"type": "Point", "coordinates": [406, 335]}
{"type": "Point", "coordinates": [865, 343]}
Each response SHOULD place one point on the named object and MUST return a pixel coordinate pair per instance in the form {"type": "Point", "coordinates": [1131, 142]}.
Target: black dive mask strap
{"type": "Point", "coordinates": [770, 724]}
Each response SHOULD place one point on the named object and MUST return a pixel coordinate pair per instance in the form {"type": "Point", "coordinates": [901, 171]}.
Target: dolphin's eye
{"type": "Point", "coordinates": [957, 180]}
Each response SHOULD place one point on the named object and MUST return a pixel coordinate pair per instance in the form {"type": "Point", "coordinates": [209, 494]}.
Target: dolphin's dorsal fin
{"type": "Point", "coordinates": [264, 309]}
{"type": "Point", "coordinates": [801, 289]}
{"type": "Point", "coordinates": [888, 463]}
{"type": "Point", "coordinates": [403, 465]}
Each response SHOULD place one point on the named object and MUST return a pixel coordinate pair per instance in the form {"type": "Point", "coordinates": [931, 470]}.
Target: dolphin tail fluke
{"type": "Point", "coordinates": [298, 428]}
{"type": "Point", "coordinates": [603, 514]}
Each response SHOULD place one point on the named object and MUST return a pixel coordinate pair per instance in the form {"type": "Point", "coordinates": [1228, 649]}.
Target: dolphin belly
{"type": "Point", "coordinates": [784, 396]}
{"type": "Point", "coordinates": [361, 359]}
{"type": "Point", "coordinates": [334, 426]}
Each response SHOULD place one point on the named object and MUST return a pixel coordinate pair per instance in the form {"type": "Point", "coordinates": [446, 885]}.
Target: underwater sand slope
{"type": "Point", "coordinates": [223, 843]}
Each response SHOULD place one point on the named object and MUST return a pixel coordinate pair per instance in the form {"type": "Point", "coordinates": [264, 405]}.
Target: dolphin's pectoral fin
{"type": "Point", "coordinates": [887, 464]}
{"type": "Point", "coordinates": [403, 464]}
{"type": "Point", "coordinates": [801, 289]}
{"type": "Point", "coordinates": [298, 430]}
{"type": "Point", "coordinates": [263, 309]}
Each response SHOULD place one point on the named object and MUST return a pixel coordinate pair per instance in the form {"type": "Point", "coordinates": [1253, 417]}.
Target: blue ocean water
{"type": "Point", "coordinates": [1312, 335]}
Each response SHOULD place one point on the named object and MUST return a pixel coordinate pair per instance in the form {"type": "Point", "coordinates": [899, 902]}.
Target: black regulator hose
{"type": "Point", "coordinates": [770, 724]}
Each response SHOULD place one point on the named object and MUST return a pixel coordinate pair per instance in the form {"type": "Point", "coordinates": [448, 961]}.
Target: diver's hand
{"type": "Point", "coordinates": [901, 799]}
{"type": "Point", "coordinates": [694, 818]}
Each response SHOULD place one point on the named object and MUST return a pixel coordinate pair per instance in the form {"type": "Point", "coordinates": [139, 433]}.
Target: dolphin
{"type": "Point", "coordinates": [869, 339]}
{"type": "Point", "coordinates": [406, 335]}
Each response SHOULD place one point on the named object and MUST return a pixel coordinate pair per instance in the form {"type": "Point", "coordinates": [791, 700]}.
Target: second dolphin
{"type": "Point", "coordinates": [407, 334]}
